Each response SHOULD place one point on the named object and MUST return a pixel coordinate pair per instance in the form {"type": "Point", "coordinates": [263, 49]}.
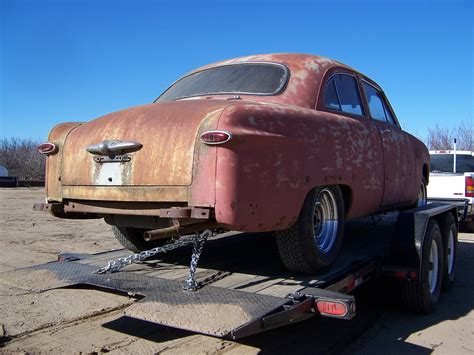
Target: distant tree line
{"type": "Point", "coordinates": [22, 159]}
{"type": "Point", "coordinates": [443, 138]}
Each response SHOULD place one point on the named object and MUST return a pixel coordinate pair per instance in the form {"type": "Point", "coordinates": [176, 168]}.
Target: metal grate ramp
{"type": "Point", "coordinates": [210, 310]}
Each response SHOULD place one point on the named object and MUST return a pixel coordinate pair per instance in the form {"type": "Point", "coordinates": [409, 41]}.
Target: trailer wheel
{"type": "Point", "coordinates": [313, 242]}
{"type": "Point", "coordinates": [421, 295]}
{"type": "Point", "coordinates": [450, 251]}
{"type": "Point", "coordinates": [422, 194]}
{"type": "Point", "coordinates": [132, 239]}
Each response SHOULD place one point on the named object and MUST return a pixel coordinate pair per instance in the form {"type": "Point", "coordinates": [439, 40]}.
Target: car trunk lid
{"type": "Point", "coordinates": [165, 135]}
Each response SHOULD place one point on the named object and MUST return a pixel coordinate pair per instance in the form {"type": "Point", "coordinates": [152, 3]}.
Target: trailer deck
{"type": "Point", "coordinates": [240, 276]}
{"type": "Point", "coordinates": [243, 287]}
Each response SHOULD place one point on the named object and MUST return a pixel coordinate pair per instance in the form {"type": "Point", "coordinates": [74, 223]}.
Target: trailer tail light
{"type": "Point", "coordinates": [332, 308]}
{"type": "Point", "coordinates": [469, 186]}
{"type": "Point", "coordinates": [47, 148]}
{"type": "Point", "coordinates": [216, 137]}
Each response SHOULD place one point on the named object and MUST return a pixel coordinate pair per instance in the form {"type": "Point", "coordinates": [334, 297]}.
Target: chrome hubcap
{"type": "Point", "coordinates": [434, 266]}
{"type": "Point", "coordinates": [422, 196]}
{"type": "Point", "coordinates": [325, 220]}
{"type": "Point", "coordinates": [450, 252]}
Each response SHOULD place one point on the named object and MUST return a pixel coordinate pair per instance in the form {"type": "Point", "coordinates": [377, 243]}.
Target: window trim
{"type": "Point", "coordinates": [385, 103]}
{"type": "Point", "coordinates": [320, 103]}
{"type": "Point", "coordinates": [278, 91]}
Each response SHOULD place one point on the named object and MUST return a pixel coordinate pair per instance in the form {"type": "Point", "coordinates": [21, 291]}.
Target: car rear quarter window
{"type": "Point", "coordinates": [330, 96]}
{"type": "Point", "coordinates": [342, 94]}
{"type": "Point", "coordinates": [377, 106]}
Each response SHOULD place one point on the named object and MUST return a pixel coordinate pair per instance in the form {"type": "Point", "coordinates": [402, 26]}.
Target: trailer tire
{"type": "Point", "coordinates": [314, 241]}
{"type": "Point", "coordinates": [132, 239]}
{"type": "Point", "coordinates": [450, 239]}
{"type": "Point", "coordinates": [421, 295]}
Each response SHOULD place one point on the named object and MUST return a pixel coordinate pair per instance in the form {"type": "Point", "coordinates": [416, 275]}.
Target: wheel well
{"type": "Point", "coordinates": [347, 196]}
{"type": "Point", "coordinates": [426, 173]}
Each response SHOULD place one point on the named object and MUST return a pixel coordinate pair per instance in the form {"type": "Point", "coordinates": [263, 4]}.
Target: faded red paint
{"type": "Point", "coordinates": [282, 147]}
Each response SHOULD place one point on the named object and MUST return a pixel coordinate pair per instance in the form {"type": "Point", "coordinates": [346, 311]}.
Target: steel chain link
{"type": "Point", "coordinates": [197, 240]}
{"type": "Point", "coordinates": [190, 284]}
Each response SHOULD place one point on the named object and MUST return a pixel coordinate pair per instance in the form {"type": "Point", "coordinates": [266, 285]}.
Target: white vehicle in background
{"type": "Point", "coordinates": [452, 176]}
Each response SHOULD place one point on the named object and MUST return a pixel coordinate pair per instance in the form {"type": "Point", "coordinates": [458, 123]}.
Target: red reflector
{"type": "Point", "coordinates": [216, 137]}
{"type": "Point", "coordinates": [401, 274]}
{"type": "Point", "coordinates": [332, 308]}
{"type": "Point", "coordinates": [47, 148]}
{"type": "Point", "coordinates": [469, 186]}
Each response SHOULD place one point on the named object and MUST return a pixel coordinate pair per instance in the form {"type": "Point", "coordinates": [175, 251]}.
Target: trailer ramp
{"type": "Point", "coordinates": [210, 310]}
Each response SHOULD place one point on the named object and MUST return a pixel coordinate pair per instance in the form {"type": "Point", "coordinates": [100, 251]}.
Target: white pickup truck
{"type": "Point", "coordinates": [448, 180]}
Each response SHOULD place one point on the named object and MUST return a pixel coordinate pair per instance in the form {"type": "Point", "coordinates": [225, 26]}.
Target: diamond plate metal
{"type": "Point", "coordinates": [210, 310]}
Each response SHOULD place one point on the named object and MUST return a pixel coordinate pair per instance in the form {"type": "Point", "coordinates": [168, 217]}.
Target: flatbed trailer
{"type": "Point", "coordinates": [242, 287]}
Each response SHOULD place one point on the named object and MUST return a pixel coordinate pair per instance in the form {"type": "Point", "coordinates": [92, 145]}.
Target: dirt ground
{"type": "Point", "coordinates": [90, 321]}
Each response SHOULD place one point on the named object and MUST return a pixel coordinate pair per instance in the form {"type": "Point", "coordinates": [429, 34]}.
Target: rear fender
{"type": "Point", "coordinates": [57, 136]}
{"type": "Point", "coordinates": [276, 156]}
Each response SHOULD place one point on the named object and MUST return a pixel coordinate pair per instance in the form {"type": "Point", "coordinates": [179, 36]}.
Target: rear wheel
{"type": "Point", "coordinates": [421, 295]}
{"type": "Point", "coordinates": [422, 194]}
{"type": "Point", "coordinates": [450, 251]}
{"type": "Point", "coordinates": [132, 239]}
{"type": "Point", "coordinates": [313, 242]}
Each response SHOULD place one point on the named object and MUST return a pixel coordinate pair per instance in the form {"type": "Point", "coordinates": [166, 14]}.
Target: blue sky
{"type": "Point", "coordinates": [77, 60]}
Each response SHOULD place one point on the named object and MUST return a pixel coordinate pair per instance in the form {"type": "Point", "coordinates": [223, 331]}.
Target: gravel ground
{"type": "Point", "coordinates": [90, 321]}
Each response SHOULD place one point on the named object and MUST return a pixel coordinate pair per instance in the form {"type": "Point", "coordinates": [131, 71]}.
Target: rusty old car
{"type": "Point", "coordinates": [289, 143]}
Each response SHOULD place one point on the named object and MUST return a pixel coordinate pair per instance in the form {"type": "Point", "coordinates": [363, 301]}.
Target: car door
{"type": "Point", "coordinates": [398, 152]}
{"type": "Point", "coordinates": [358, 140]}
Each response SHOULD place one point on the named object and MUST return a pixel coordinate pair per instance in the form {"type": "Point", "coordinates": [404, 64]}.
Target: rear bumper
{"type": "Point", "coordinates": [97, 209]}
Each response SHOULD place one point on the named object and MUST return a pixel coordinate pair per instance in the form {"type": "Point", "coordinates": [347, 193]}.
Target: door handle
{"type": "Point", "coordinates": [385, 131]}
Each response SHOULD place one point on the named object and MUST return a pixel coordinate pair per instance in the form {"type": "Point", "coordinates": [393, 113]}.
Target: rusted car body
{"type": "Point", "coordinates": [282, 145]}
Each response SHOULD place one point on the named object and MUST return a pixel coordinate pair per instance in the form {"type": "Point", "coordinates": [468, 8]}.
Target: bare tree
{"type": "Point", "coordinates": [443, 138]}
{"type": "Point", "coordinates": [21, 158]}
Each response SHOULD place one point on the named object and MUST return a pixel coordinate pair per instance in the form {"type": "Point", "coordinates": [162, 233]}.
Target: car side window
{"type": "Point", "coordinates": [342, 94]}
{"type": "Point", "coordinates": [377, 106]}
{"type": "Point", "coordinates": [348, 92]}
{"type": "Point", "coordinates": [330, 96]}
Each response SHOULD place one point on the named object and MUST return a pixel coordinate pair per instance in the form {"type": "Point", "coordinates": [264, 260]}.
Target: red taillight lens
{"type": "Point", "coordinates": [332, 308]}
{"type": "Point", "coordinates": [47, 148]}
{"type": "Point", "coordinates": [216, 137]}
{"type": "Point", "coordinates": [469, 186]}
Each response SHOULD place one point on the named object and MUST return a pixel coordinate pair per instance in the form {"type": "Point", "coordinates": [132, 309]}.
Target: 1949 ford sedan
{"type": "Point", "coordinates": [290, 143]}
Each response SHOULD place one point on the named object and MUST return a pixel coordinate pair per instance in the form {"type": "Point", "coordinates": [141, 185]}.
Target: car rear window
{"type": "Point", "coordinates": [242, 78]}
{"type": "Point", "coordinates": [443, 163]}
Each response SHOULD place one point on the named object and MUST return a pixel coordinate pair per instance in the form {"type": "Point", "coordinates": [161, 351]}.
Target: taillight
{"type": "Point", "coordinates": [332, 308]}
{"type": "Point", "coordinates": [469, 186]}
{"type": "Point", "coordinates": [216, 137]}
{"type": "Point", "coordinates": [47, 148]}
